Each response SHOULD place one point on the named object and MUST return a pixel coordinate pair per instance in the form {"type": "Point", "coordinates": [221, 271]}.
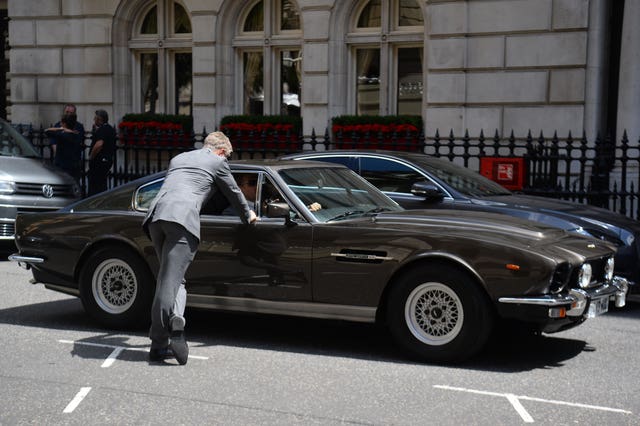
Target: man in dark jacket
{"type": "Point", "coordinates": [103, 147]}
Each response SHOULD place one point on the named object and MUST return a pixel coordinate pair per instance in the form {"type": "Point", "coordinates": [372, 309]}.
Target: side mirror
{"type": "Point", "coordinates": [429, 191]}
{"type": "Point", "coordinates": [278, 209]}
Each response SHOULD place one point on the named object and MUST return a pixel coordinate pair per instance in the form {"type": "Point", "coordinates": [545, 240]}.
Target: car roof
{"type": "Point", "coordinates": [379, 152]}
{"type": "Point", "coordinates": [278, 164]}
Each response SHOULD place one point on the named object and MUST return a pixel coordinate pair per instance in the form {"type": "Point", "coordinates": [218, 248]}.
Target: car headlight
{"type": "Point", "coordinates": [584, 276]}
{"type": "Point", "coordinates": [608, 269]}
{"type": "Point", "coordinates": [7, 187]}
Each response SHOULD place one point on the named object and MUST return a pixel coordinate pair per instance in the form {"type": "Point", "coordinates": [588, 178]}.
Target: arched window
{"type": "Point", "coordinates": [161, 44]}
{"type": "Point", "coordinates": [386, 46]}
{"type": "Point", "coordinates": [268, 46]}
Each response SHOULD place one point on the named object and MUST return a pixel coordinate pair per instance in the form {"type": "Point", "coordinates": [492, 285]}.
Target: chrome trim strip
{"type": "Point", "coordinates": [611, 290]}
{"type": "Point", "coordinates": [540, 301]}
{"type": "Point", "coordinates": [300, 309]}
{"type": "Point", "coordinates": [25, 259]}
{"type": "Point", "coordinates": [361, 256]}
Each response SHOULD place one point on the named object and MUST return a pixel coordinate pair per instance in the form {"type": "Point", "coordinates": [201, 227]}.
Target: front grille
{"type": "Point", "coordinates": [35, 189]}
{"type": "Point", "coordinates": [597, 267]}
{"type": "Point", "coordinates": [7, 230]}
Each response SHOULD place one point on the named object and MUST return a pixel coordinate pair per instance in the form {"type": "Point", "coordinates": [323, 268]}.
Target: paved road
{"type": "Point", "coordinates": [58, 367]}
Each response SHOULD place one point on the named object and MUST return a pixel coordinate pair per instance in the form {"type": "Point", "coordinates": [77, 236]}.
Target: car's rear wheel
{"type": "Point", "coordinates": [438, 313]}
{"type": "Point", "coordinates": [116, 288]}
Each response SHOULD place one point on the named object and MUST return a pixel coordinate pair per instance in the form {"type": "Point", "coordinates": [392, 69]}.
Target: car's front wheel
{"type": "Point", "coordinates": [438, 313]}
{"type": "Point", "coordinates": [116, 288]}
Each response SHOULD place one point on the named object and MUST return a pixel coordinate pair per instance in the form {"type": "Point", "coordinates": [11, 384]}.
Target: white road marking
{"type": "Point", "coordinates": [117, 350]}
{"type": "Point", "coordinates": [77, 400]}
{"type": "Point", "coordinates": [515, 401]}
{"type": "Point", "coordinates": [519, 408]}
{"type": "Point", "coordinates": [112, 357]}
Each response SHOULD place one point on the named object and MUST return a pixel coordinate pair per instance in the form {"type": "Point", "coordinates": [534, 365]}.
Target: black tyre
{"type": "Point", "coordinates": [116, 288]}
{"type": "Point", "coordinates": [439, 314]}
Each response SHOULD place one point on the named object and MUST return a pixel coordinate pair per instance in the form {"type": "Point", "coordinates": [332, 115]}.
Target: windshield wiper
{"type": "Point", "coordinates": [377, 210]}
{"type": "Point", "coordinates": [346, 214]}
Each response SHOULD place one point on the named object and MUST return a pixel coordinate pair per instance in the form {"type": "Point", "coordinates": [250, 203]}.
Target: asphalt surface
{"type": "Point", "coordinates": [59, 367]}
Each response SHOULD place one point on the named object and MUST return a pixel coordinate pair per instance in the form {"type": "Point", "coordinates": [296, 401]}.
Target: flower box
{"type": "Point", "coordinates": [398, 133]}
{"type": "Point", "coordinates": [270, 132]}
{"type": "Point", "coordinates": [155, 130]}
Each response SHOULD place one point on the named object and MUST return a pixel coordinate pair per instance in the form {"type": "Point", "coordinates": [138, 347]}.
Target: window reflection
{"type": "Point", "coordinates": [410, 14]}
{"type": "Point", "coordinates": [409, 91]}
{"type": "Point", "coordinates": [274, 88]}
{"type": "Point", "coordinates": [370, 16]}
{"type": "Point", "coordinates": [254, 83]}
{"type": "Point", "coordinates": [368, 81]}
{"type": "Point", "coordinates": [150, 22]}
{"type": "Point", "coordinates": [289, 17]}
{"type": "Point", "coordinates": [290, 69]}
{"type": "Point", "coordinates": [181, 21]}
{"type": "Point", "coordinates": [183, 74]}
{"type": "Point", "coordinates": [149, 81]}
{"type": "Point", "coordinates": [255, 19]}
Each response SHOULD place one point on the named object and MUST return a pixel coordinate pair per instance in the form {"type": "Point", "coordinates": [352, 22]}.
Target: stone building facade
{"type": "Point", "coordinates": [544, 65]}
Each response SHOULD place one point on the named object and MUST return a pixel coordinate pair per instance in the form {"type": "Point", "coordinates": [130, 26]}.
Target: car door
{"type": "Point", "coordinates": [270, 259]}
{"type": "Point", "coordinates": [353, 263]}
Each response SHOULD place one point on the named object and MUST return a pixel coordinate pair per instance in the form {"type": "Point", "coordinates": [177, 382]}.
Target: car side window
{"type": "Point", "coordinates": [145, 194]}
{"type": "Point", "coordinates": [257, 190]}
{"type": "Point", "coordinates": [388, 175]}
{"type": "Point", "coordinates": [350, 162]}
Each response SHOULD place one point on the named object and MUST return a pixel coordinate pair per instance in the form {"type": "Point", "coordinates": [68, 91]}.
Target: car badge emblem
{"type": "Point", "coordinates": [47, 191]}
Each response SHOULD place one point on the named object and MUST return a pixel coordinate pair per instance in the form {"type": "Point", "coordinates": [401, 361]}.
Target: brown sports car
{"type": "Point", "coordinates": [440, 280]}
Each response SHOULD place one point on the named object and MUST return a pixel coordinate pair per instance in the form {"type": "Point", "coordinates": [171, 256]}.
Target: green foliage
{"type": "Point", "coordinates": [186, 121]}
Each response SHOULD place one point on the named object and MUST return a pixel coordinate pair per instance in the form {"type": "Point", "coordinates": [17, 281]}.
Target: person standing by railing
{"type": "Point", "coordinates": [67, 143]}
{"type": "Point", "coordinates": [103, 146]}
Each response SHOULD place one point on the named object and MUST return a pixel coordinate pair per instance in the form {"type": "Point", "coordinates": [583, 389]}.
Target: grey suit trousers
{"type": "Point", "coordinates": [176, 248]}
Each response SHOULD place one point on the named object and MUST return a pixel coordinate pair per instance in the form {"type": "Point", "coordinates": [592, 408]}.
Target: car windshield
{"type": "Point", "coordinates": [13, 144]}
{"type": "Point", "coordinates": [463, 180]}
{"type": "Point", "coordinates": [341, 193]}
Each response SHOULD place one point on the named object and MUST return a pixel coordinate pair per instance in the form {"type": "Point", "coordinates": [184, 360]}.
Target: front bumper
{"type": "Point", "coordinates": [562, 311]}
{"type": "Point", "coordinates": [25, 261]}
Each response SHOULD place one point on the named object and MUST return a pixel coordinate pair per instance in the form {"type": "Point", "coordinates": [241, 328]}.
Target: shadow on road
{"type": "Point", "coordinates": [6, 248]}
{"type": "Point", "coordinates": [508, 354]}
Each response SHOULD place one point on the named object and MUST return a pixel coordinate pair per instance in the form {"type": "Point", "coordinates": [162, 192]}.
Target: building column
{"type": "Point", "coordinates": [629, 86]}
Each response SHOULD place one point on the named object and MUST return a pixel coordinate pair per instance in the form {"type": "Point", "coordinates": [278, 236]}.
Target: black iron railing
{"type": "Point", "coordinates": [602, 173]}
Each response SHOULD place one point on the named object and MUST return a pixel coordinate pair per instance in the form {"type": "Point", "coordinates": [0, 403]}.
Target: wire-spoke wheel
{"type": "Point", "coordinates": [434, 313]}
{"type": "Point", "coordinates": [440, 313]}
{"type": "Point", "coordinates": [116, 288]}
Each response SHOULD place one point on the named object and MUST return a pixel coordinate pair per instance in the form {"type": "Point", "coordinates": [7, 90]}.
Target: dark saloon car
{"type": "Point", "coordinates": [445, 185]}
{"type": "Point", "coordinates": [26, 184]}
{"type": "Point", "coordinates": [438, 279]}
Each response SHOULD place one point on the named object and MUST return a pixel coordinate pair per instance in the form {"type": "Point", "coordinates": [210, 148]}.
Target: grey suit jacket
{"type": "Point", "coordinates": [192, 178]}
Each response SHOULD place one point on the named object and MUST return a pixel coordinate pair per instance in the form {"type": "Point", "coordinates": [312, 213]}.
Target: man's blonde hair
{"type": "Point", "coordinates": [218, 140]}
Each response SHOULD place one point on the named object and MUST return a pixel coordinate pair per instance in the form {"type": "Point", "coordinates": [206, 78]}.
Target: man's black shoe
{"type": "Point", "coordinates": [160, 354]}
{"type": "Point", "coordinates": [178, 342]}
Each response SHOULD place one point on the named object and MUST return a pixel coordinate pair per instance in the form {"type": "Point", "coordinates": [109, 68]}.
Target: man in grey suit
{"type": "Point", "coordinates": [173, 224]}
